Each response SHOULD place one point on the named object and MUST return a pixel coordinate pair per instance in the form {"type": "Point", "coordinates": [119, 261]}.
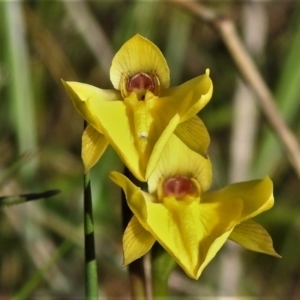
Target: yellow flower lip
{"type": "Point", "coordinates": [179, 187]}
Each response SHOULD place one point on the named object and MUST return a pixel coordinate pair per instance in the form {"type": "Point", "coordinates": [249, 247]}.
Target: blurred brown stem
{"type": "Point", "coordinates": [91, 31]}
{"type": "Point", "coordinates": [136, 269]}
{"type": "Point", "coordinates": [248, 70]}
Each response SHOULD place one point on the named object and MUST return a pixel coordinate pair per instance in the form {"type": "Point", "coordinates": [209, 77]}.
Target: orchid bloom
{"type": "Point", "coordinates": [139, 116]}
{"type": "Point", "coordinates": [191, 223]}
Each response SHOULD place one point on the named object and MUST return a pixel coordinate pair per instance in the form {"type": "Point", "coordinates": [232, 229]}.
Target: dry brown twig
{"type": "Point", "coordinates": [91, 31]}
{"type": "Point", "coordinates": [248, 70]}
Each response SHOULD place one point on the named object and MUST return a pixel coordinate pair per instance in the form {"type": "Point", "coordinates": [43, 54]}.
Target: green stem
{"type": "Point", "coordinates": [91, 276]}
{"type": "Point", "coordinates": [162, 265]}
{"type": "Point", "coordinates": [136, 269]}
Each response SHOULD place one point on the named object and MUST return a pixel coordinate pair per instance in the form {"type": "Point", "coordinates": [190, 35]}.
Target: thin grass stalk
{"type": "Point", "coordinates": [287, 99]}
{"type": "Point", "coordinates": [251, 75]}
{"type": "Point", "coordinates": [177, 38]}
{"type": "Point", "coordinates": [142, 15]}
{"type": "Point", "coordinates": [91, 31]}
{"type": "Point", "coordinates": [91, 275]}
{"type": "Point", "coordinates": [243, 136]}
{"type": "Point", "coordinates": [22, 198]}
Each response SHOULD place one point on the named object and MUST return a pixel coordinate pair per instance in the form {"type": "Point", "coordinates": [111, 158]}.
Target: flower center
{"type": "Point", "coordinates": [141, 82]}
{"type": "Point", "coordinates": [179, 187]}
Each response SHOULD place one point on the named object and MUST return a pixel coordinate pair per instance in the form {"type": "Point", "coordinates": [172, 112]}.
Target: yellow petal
{"type": "Point", "coordinates": [148, 123]}
{"type": "Point", "coordinates": [188, 98]}
{"type": "Point", "coordinates": [192, 233]}
{"type": "Point", "coordinates": [93, 146]}
{"type": "Point", "coordinates": [134, 196]}
{"type": "Point", "coordinates": [159, 146]}
{"type": "Point", "coordinates": [112, 117]}
{"type": "Point", "coordinates": [194, 135]}
{"type": "Point", "coordinates": [81, 92]}
{"type": "Point", "coordinates": [257, 196]}
{"type": "Point", "coordinates": [136, 241]}
{"type": "Point", "coordinates": [139, 55]}
{"type": "Point", "coordinates": [253, 237]}
{"type": "Point", "coordinates": [178, 159]}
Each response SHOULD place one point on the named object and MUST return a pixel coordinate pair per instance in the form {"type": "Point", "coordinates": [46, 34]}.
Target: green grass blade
{"type": "Point", "coordinates": [17, 199]}
{"type": "Point", "coordinates": [178, 38]}
{"type": "Point", "coordinates": [18, 65]}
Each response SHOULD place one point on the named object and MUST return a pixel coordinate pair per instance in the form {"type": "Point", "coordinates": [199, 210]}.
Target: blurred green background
{"type": "Point", "coordinates": [41, 243]}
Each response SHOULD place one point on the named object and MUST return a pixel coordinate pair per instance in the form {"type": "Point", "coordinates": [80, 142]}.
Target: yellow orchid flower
{"type": "Point", "coordinates": [191, 223]}
{"type": "Point", "coordinates": [140, 115]}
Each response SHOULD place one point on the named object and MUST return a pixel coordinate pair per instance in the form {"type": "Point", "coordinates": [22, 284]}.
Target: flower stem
{"type": "Point", "coordinates": [91, 276]}
{"type": "Point", "coordinates": [137, 276]}
{"type": "Point", "coordinates": [137, 280]}
{"type": "Point", "coordinates": [162, 265]}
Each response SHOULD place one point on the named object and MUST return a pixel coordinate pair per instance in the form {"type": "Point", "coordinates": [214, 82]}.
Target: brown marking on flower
{"type": "Point", "coordinates": [141, 82]}
{"type": "Point", "coordinates": [178, 187]}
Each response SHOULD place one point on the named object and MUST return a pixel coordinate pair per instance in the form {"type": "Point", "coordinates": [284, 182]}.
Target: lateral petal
{"type": "Point", "coordinates": [136, 241]}
{"type": "Point", "coordinates": [189, 98]}
{"type": "Point", "coordinates": [93, 146]}
{"type": "Point", "coordinates": [254, 237]}
{"type": "Point", "coordinates": [194, 135]}
{"type": "Point", "coordinates": [257, 196]}
{"type": "Point", "coordinates": [134, 196]}
{"type": "Point", "coordinates": [81, 92]}
{"type": "Point", "coordinates": [112, 117]}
